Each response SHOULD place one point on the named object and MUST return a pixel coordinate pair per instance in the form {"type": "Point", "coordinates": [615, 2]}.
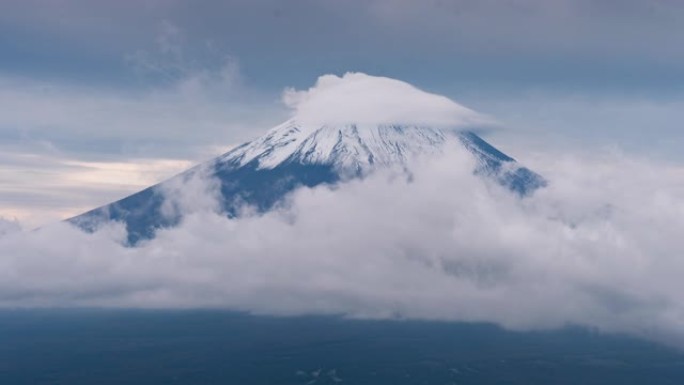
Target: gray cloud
{"type": "Point", "coordinates": [195, 98]}
{"type": "Point", "coordinates": [558, 43]}
{"type": "Point", "coordinates": [598, 247]}
{"type": "Point", "coordinates": [563, 27]}
{"type": "Point", "coordinates": [8, 226]}
{"type": "Point", "coordinates": [584, 123]}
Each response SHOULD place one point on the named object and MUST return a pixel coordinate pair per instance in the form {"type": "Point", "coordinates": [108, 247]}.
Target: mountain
{"type": "Point", "coordinates": [262, 172]}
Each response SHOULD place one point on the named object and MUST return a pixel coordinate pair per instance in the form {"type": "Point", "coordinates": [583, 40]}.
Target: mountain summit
{"type": "Point", "coordinates": [343, 127]}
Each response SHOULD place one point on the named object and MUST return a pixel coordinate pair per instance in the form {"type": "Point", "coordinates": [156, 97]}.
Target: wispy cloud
{"type": "Point", "coordinates": [69, 147]}
{"type": "Point", "coordinates": [42, 188]}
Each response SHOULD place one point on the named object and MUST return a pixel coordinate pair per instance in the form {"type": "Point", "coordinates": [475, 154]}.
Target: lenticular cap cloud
{"type": "Point", "coordinates": [358, 98]}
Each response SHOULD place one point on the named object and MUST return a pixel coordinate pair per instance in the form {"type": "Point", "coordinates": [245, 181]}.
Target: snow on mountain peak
{"type": "Point", "coordinates": [358, 98]}
{"type": "Point", "coordinates": [350, 147]}
{"type": "Point", "coordinates": [358, 121]}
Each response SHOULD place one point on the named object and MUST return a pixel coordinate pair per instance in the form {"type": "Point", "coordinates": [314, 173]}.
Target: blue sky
{"type": "Point", "coordinates": [100, 98]}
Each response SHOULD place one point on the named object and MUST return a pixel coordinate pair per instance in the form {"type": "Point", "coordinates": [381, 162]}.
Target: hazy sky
{"type": "Point", "coordinates": [100, 98]}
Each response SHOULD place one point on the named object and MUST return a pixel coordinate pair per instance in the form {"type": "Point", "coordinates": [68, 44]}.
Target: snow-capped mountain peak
{"type": "Point", "coordinates": [356, 122]}
{"type": "Point", "coordinates": [345, 147]}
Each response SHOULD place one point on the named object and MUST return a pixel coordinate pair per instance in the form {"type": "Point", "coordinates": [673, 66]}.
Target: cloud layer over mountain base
{"type": "Point", "coordinates": [600, 247]}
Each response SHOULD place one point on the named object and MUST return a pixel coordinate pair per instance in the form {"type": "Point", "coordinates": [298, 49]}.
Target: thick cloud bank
{"type": "Point", "coordinates": [601, 246]}
{"type": "Point", "coordinates": [363, 99]}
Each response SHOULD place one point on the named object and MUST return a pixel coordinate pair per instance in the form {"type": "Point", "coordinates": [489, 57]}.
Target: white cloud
{"type": "Point", "coordinates": [363, 99]}
{"type": "Point", "coordinates": [599, 247]}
